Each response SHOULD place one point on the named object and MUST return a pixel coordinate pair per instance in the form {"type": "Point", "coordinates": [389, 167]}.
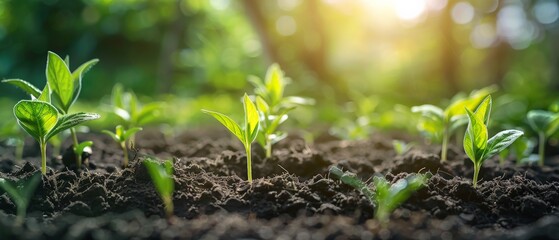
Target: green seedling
{"type": "Point", "coordinates": [401, 147]}
{"type": "Point", "coordinates": [21, 192]}
{"type": "Point", "coordinates": [545, 124]}
{"type": "Point", "coordinates": [121, 136]}
{"type": "Point", "coordinates": [63, 88]}
{"type": "Point", "coordinates": [476, 143]}
{"type": "Point", "coordinates": [441, 124]}
{"type": "Point", "coordinates": [247, 134]}
{"type": "Point", "coordinates": [162, 177]}
{"type": "Point", "coordinates": [273, 106]}
{"type": "Point", "coordinates": [42, 121]}
{"type": "Point", "coordinates": [386, 197]}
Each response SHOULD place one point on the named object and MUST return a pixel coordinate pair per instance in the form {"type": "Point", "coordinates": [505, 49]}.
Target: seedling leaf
{"type": "Point", "coordinates": [25, 86]}
{"type": "Point", "coordinates": [231, 125]}
{"type": "Point", "coordinates": [501, 141]}
{"type": "Point", "coordinates": [61, 81]}
{"type": "Point", "coordinates": [251, 120]}
{"type": "Point", "coordinates": [70, 120]}
{"type": "Point", "coordinates": [475, 139]}
{"type": "Point", "coordinates": [36, 117]}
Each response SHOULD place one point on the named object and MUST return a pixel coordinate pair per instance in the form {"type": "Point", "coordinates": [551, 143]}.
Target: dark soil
{"type": "Point", "coordinates": [292, 196]}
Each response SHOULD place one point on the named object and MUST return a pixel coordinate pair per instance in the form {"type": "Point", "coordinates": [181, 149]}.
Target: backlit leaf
{"type": "Point", "coordinates": [501, 141]}
{"type": "Point", "coordinates": [70, 120]}
{"type": "Point", "coordinates": [60, 81]}
{"type": "Point", "coordinates": [231, 125]}
{"type": "Point", "coordinates": [25, 86]}
{"type": "Point", "coordinates": [252, 120]}
{"type": "Point", "coordinates": [475, 139]}
{"type": "Point", "coordinates": [274, 83]}
{"type": "Point", "coordinates": [36, 118]}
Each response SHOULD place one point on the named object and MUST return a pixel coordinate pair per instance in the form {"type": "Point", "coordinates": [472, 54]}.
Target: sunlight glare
{"type": "Point", "coordinates": [409, 9]}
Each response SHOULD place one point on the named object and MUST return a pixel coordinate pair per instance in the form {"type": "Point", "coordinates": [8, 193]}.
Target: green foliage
{"type": "Point", "coordinates": [521, 149]}
{"type": "Point", "coordinates": [273, 106]}
{"type": "Point", "coordinates": [42, 121]}
{"type": "Point", "coordinates": [131, 111]}
{"type": "Point", "coordinates": [162, 177]}
{"type": "Point", "coordinates": [21, 192]}
{"type": "Point", "coordinates": [441, 124]}
{"type": "Point", "coordinates": [545, 124]}
{"type": "Point", "coordinates": [476, 143]}
{"type": "Point", "coordinates": [247, 134]}
{"type": "Point", "coordinates": [401, 147]}
{"type": "Point", "coordinates": [386, 197]}
{"type": "Point", "coordinates": [122, 135]}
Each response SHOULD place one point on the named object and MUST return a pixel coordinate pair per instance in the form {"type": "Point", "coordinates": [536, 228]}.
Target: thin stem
{"type": "Point", "coordinates": [268, 148]}
{"type": "Point", "coordinates": [19, 150]}
{"type": "Point", "coordinates": [168, 205]}
{"type": "Point", "coordinates": [541, 148]}
{"type": "Point", "coordinates": [249, 163]}
{"type": "Point", "coordinates": [445, 144]}
{"type": "Point", "coordinates": [75, 140]}
{"type": "Point", "coordinates": [43, 146]}
{"type": "Point", "coordinates": [477, 167]}
{"type": "Point", "coordinates": [125, 151]}
{"type": "Point", "coordinates": [21, 212]}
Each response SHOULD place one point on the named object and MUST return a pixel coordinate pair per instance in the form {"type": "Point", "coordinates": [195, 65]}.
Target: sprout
{"type": "Point", "coordinates": [120, 136]}
{"type": "Point", "coordinates": [476, 143]}
{"type": "Point", "coordinates": [386, 197]}
{"type": "Point", "coordinates": [545, 124]}
{"type": "Point", "coordinates": [21, 192]}
{"type": "Point", "coordinates": [401, 147]}
{"type": "Point", "coordinates": [247, 134]}
{"type": "Point", "coordinates": [162, 177]}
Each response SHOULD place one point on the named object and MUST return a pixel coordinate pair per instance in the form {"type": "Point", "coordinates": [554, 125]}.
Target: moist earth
{"type": "Point", "coordinates": [291, 197]}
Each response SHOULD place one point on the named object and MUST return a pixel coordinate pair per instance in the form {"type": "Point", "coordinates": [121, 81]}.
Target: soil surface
{"type": "Point", "coordinates": [291, 197]}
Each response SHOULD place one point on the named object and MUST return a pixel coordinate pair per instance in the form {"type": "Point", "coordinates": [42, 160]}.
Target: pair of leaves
{"type": "Point", "coordinates": [65, 85]}
{"type": "Point", "coordinates": [121, 135]}
{"type": "Point", "coordinates": [543, 121]}
{"type": "Point", "coordinates": [248, 133]}
{"type": "Point", "coordinates": [476, 143]}
{"type": "Point", "coordinates": [42, 121]}
{"type": "Point", "coordinates": [273, 86]}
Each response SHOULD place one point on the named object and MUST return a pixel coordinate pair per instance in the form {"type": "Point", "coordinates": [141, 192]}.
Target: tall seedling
{"type": "Point", "coordinates": [545, 124]}
{"type": "Point", "coordinates": [476, 143]}
{"type": "Point", "coordinates": [441, 124]}
{"type": "Point", "coordinates": [247, 134]}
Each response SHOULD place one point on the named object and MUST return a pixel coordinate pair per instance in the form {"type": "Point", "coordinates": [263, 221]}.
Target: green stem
{"type": "Point", "coordinates": [268, 148]}
{"type": "Point", "coordinates": [541, 149]}
{"type": "Point", "coordinates": [445, 145]}
{"type": "Point", "coordinates": [43, 146]}
{"type": "Point", "coordinates": [249, 163]}
{"type": "Point", "coordinates": [477, 167]}
{"type": "Point", "coordinates": [168, 204]}
{"type": "Point", "coordinates": [75, 140]}
{"type": "Point", "coordinates": [125, 151]}
{"type": "Point", "coordinates": [19, 150]}
{"type": "Point", "coordinates": [21, 212]}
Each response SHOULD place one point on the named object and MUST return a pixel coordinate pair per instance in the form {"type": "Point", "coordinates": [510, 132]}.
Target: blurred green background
{"type": "Point", "coordinates": [199, 53]}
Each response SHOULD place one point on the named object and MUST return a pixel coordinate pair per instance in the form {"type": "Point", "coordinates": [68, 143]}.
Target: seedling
{"type": "Point", "coordinates": [401, 147]}
{"type": "Point", "coordinates": [122, 135]}
{"type": "Point", "coordinates": [441, 124]}
{"type": "Point", "coordinates": [545, 124]}
{"type": "Point", "coordinates": [273, 107]}
{"type": "Point", "coordinates": [162, 177]}
{"type": "Point", "coordinates": [42, 121]}
{"type": "Point", "coordinates": [21, 192]}
{"type": "Point", "coordinates": [63, 85]}
{"type": "Point", "coordinates": [247, 134]}
{"type": "Point", "coordinates": [386, 197]}
{"type": "Point", "coordinates": [476, 143]}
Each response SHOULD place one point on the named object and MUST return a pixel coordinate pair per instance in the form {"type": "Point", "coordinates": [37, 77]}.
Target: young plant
{"type": "Point", "coordinates": [121, 136]}
{"type": "Point", "coordinates": [21, 192]}
{"type": "Point", "coordinates": [401, 147]}
{"type": "Point", "coordinates": [476, 143]}
{"type": "Point", "coordinates": [42, 121]}
{"type": "Point", "coordinates": [441, 124]}
{"type": "Point", "coordinates": [273, 106]}
{"type": "Point", "coordinates": [63, 87]}
{"type": "Point", "coordinates": [247, 134]}
{"type": "Point", "coordinates": [545, 124]}
{"type": "Point", "coordinates": [162, 177]}
{"type": "Point", "coordinates": [386, 197]}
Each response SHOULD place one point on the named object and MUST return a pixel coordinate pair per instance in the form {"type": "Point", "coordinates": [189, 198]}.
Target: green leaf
{"type": "Point", "coordinates": [36, 118]}
{"type": "Point", "coordinates": [475, 139]}
{"type": "Point", "coordinates": [61, 81]}
{"type": "Point", "coordinates": [22, 191]}
{"type": "Point", "coordinates": [81, 146]}
{"type": "Point", "coordinates": [25, 86]}
{"type": "Point", "coordinates": [483, 110]}
{"type": "Point", "coordinates": [116, 96]}
{"type": "Point", "coordinates": [543, 121]}
{"type": "Point", "coordinates": [161, 176]}
{"type": "Point", "coordinates": [231, 125]}
{"type": "Point", "coordinates": [429, 111]}
{"type": "Point", "coordinates": [274, 83]}
{"type": "Point", "coordinates": [71, 120]}
{"type": "Point", "coordinates": [113, 135]}
{"type": "Point", "coordinates": [78, 73]}
{"type": "Point", "coordinates": [501, 141]}
{"type": "Point", "coordinates": [130, 132]}
{"type": "Point", "coordinates": [45, 94]}
{"type": "Point", "coordinates": [252, 120]}
{"type": "Point", "coordinates": [262, 106]}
